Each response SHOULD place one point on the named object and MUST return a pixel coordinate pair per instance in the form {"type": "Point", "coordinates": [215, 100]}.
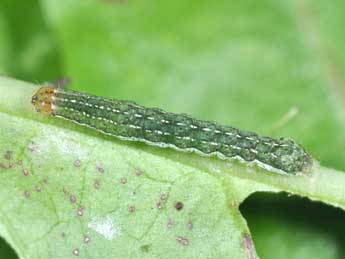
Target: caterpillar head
{"type": "Point", "coordinates": [43, 99]}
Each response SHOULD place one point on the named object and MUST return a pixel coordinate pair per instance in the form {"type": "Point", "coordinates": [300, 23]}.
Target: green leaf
{"type": "Point", "coordinates": [68, 190]}
{"type": "Point", "coordinates": [240, 63]}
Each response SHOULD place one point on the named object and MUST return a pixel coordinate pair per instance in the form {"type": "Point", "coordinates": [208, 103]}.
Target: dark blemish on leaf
{"type": "Point", "coordinates": [87, 239]}
{"type": "Point", "coordinates": [170, 223]}
{"type": "Point", "coordinates": [63, 234]}
{"type": "Point", "coordinates": [72, 199]}
{"type": "Point", "coordinates": [19, 162]}
{"type": "Point", "coordinates": [25, 172]}
{"type": "Point", "coordinates": [81, 211]}
{"type": "Point", "coordinates": [159, 205]}
{"type": "Point", "coordinates": [182, 240]}
{"type": "Point", "coordinates": [249, 246]}
{"type": "Point", "coordinates": [76, 252]}
{"type": "Point", "coordinates": [178, 205]}
{"type": "Point", "coordinates": [123, 180]}
{"type": "Point", "coordinates": [77, 163]}
{"type": "Point", "coordinates": [131, 209]}
{"type": "Point", "coordinates": [45, 181]}
{"type": "Point", "coordinates": [8, 155]}
{"type": "Point", "coordinates": [138, 172]}
{"type": "Point", "coordinates": [27, 194]}
{"type": "Point", "coordinates": [145, 248]}
{"type": "Point", "coordinates": [190, 225]}
{"type": "Point", "coordinates": [163, 197]}
{"type": "Point", "coordinates": [100, 168]}
{"type": "Point", "coordinates": [97, 184]}
{"type": "Point", "coordinates": [37, 188]}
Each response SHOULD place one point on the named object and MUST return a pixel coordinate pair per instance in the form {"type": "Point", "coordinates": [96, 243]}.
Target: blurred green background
{"type": "Point", "coordinates": [244, 63]}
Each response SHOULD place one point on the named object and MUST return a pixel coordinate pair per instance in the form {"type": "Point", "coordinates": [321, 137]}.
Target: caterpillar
{"type": "Point", "coordinates": [127, 120]}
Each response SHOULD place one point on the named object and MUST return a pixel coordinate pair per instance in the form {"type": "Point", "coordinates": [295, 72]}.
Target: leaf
{"type": "Point", "coordinates": [243, 63]}
{"type": "Point", "coordinates": [67, 190]}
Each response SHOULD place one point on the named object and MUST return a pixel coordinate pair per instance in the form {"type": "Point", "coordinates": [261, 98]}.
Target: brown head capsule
{"type": "Point", "coordinates": [43, 99]}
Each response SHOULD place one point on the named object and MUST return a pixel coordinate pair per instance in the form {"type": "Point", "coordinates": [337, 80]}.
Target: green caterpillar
{"type": "Point", "coordinates": [130, 121]}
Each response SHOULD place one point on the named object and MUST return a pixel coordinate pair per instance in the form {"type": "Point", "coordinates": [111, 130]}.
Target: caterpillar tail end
{"type": "Point", "coordinates": [294, 159]}
{"type": "Point", "coordinates": [43, 100]}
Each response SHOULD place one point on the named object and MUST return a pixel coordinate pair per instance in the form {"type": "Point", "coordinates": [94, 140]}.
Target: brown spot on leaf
{"type": "Point", "coordinates": [81, 211]}
{"type": "Point", "coordinates": [179, 205]}
{"type": "Point", "coordinates": [159, 205]}
{"type": "Point", "coordinates": [249, 246]}
{"type": "Point", "coordinates": [77, 163]}
{"type": "Point", "coordinates": [100, 168]}
{"type": "Point", "coordinates": [97, 184]}
{"type": "Point", "coordinates": [87, 239]}
{"type": "Point", "coordinates": [131, 208]}
{"type": "Point", "coordinates": [76, 252]}
{"type": "Point", "coordinates": [25, 172]}
{"type": "Point", "coordinates": [163, 197]}
{"type": "Point", "coordinates": [138, 172]}
{"type": "Point", "coordinates": [27, 194]}
{"type": "Point", "coordinates": [170, 223]}
{"type": "Point", "coordinates": [182, 240]}
{"type": "Point", "coordinates": [123, 180]}
{"type": "Point", "coordinates": [72, 199]}
{"type": "Point", "coordinates": [8, 155]}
